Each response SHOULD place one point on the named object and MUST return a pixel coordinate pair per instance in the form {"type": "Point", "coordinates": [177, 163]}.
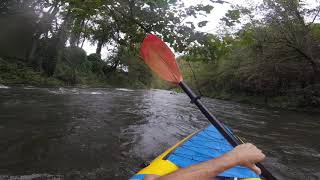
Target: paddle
{"type": "Point", "coordinates": [157, 55]}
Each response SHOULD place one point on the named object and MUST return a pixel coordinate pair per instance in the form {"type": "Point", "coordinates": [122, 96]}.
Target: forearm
{"type": "Point", "coordinates": [246, 155]}
{"type": "Point", "coordinates": [206, 170]}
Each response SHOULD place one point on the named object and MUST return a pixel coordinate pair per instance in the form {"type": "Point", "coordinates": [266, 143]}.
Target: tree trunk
{"type": "Point", "coordinates": [84, 39]}
{"type": "Point", "coordinates": [35, 40]}
{"type": "Point", "coordinates": [79, 33]}
{"type": "Point", "coordinates": [84, 33]}
{"type": "Point", "coordinates": [99, 47]}
{"type": "Point", "coordinates": [316, 70]}
{"type": "Point", "coordinates": [32, 51]}
{"type": "Point", "coordinates": [55, 48]}
{"type": "Point", "coordinates": [62, 35]}
{"type": "Point", "coordinates": [75, 35]}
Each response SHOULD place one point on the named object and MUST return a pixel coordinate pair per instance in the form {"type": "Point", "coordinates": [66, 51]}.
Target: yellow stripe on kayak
{"type": "Point", "coordinates": [161, 166]}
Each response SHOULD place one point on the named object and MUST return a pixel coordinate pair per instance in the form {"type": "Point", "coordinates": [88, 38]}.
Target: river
{"type": "Point", "coordinates": [88, 133]}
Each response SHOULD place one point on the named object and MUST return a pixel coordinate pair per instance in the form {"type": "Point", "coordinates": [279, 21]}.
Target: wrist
{"type": "Point", "coordinates": [233, 158]}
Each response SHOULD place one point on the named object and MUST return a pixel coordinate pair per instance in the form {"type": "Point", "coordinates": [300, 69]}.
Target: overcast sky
{"type": "Point", "coordinates": [213, 18]}
{"type": "Point", "coordinates": [218, 12]}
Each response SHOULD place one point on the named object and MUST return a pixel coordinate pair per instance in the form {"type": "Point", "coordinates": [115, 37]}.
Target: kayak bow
{"type": "Point", "coordinates": [198, 147]}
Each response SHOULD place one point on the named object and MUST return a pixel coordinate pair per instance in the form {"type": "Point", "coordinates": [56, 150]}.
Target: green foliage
{"type": "Point", "coordinates": [97, 64]}
{"type": "Point", "coordinates": [76, 68]}
{"type": "Point", "coordinates": [18, 73]}
{"type": "Point", "coordinates": [66, 74]}
{"type": "Point", "coordinates": [210, 49]}
{"type": "Point", "coordinates": [232, 17]}
{"type": "Point", "coordinates": [94, 57]}
{"type": "Point", "coordinates": [73, 60]}
{"type": "Point", "coordinates": [74, 56]}
{"type": "Point", "coordinates": [36, 32]}
{"type": "Point", "coordinates": [202, 23]}
{"type": "Point", "coordinates": [273, 61]}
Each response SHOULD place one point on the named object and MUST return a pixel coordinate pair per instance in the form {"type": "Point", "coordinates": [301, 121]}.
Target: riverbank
{"type": "Point", "coordinates": [279, 102]}
{"type": "Point", "coordinates": [225, 84]}
{"type": "Point", "coordinates": [17, 73]}
{"type": "Point", "coordinates": [14, 72]}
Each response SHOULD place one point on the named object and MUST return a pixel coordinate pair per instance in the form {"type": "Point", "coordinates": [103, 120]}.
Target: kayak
{"type": "Point", "coordinates": [198, 147]}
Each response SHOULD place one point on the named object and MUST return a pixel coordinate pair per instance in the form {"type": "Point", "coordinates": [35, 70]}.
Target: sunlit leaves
{"type": "Point", "coordinates": [191, 24]}
{"type": "Point", "coordinates": [232, 17]}
{"type": "Point", "coordinates": [210, 49]}
{"type": "Point", "coordinates": [219, 1]}
{"type": "Point", "coordinates": [202, 23]}
{"type": "Point", "coordinates": [194, 10]}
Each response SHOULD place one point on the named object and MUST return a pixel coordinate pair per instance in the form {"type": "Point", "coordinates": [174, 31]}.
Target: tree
{"type": "Point", "coordinates": [44, 28]}
{"type": "Point", "coordinates": [277, 55]}
{"type": "Point", "coordinates": [287, 19]}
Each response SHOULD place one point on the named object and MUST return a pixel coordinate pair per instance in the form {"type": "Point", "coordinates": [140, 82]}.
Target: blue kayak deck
{"type": "Point", "coordinates": [206, 145]}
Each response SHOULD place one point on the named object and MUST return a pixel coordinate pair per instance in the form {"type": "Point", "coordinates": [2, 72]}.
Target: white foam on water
{"type": "Point", "coordinates": [54, 92]}
{"type": "Point", "coordinates": [124, 89]}
{"type": "Point", "coordinates": [59, 91]}
{"type": "Point", "coordinates": [29, 87]}
{"type": "Point", "coordinates": [95, 92]}
{"type": "Point", "coordinates": [4, 87]}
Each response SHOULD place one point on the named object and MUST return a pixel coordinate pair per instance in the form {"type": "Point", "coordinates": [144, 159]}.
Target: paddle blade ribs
{"type": "Point", "coordinates": [158, 56]}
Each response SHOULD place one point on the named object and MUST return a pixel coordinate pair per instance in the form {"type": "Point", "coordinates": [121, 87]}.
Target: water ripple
{"type": "Point", "coordinates": [87, 133]}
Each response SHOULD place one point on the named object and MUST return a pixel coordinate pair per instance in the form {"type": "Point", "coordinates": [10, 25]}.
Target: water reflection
{"type": "Point", "coordinates": [31, 125]}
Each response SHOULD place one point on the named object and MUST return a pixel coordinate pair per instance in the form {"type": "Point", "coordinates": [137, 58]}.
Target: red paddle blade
{"type": "Point", "coordinates": [158, 56]}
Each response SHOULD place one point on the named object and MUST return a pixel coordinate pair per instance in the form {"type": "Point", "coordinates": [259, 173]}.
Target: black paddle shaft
{"type": "Point", "coordinates": [221, 128]}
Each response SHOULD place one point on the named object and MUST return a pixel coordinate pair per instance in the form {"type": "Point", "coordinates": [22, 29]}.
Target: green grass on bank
{"type": "Point", "coordinates": [15, 72]}
{"type": "Point", "coordinates": [18, 73]}
{"type": "Point", "coordinates": [278, 102]}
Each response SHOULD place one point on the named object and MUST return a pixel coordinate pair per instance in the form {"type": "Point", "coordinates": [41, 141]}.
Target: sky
{"type": "Point", "coordinates": [218, 12]}
{"type": "Point", "coordinates": [213, 18]}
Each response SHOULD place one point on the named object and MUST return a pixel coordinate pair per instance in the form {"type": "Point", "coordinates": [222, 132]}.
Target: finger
{"type": "Point", "coordinates": [256, 169]}
{"type": "Point", "coordinates": [263, 156]}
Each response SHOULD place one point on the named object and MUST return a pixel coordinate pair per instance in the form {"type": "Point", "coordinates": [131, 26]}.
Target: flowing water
{"type": "Point", "coordinates": [85, 133]}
